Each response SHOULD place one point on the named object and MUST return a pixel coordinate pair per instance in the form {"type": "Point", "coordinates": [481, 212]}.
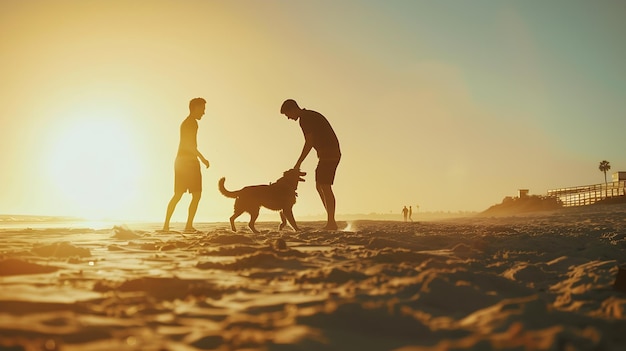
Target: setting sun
{"type": "Point", "coordinates": [94, 164]}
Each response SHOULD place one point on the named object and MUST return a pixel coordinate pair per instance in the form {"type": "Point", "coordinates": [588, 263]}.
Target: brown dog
{"type": "Point", "coordinates": [279, 196]}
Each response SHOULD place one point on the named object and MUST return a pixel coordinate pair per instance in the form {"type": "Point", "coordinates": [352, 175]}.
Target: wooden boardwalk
{"type": "Point", "coordinates": [589, 194]}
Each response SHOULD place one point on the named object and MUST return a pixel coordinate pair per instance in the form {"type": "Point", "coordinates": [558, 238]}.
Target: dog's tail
{"type": "Point", "coordinates": [224, 191]}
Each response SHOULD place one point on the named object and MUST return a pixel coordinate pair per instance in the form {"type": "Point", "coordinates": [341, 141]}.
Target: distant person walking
{"type": "Point", "coordinates": [411, 213]}
{"type": "Point", "coordinates": [187, 176]}
{"type": "Point", "coordinates": [405, 212]}
{"type": "Point", "coordinates": [318, 135]}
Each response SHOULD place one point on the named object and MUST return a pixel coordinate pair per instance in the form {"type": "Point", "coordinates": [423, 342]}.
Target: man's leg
{"type": "Point", "coordinates": [328, 197]}
{"type": "Point", "coordinates": [170, 210]}
{"type": "Point", "coordinates": [193, 207]}
{"type": "Point", "coordinates": [324, 177]}
{"type": "Point", "coordinates": [321, 192]}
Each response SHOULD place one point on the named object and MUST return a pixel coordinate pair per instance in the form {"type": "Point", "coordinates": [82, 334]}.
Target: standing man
{"type": "Point", "coordinates": [318, 135]}
{"type": "Point", "coordinates": [187, 176]}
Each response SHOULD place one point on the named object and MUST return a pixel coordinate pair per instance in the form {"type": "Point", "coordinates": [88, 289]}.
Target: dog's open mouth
{"type": "Point", "coordinates": [295, 173]}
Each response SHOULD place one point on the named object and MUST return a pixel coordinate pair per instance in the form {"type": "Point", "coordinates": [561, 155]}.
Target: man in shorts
{"type": "Point", "coordinates": [318, 135]}
{"type": "Point", "coordinates": [187, 176]}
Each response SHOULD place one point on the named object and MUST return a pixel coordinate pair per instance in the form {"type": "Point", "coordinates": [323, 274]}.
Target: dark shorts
{"type": "Point", "coordinates": [187, 176]}
{"type": "Point", "coordinates": [325, 171]}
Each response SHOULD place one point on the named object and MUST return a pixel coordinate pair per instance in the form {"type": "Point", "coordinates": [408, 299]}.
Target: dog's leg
{"type": "Point", "coordinates": [237, 213]}
{"type": "Point", "coordinates": [254, 214]}
{"type": "Point", "coordinates": [283, 221]}
{"type": "Point", "coordinates": [232, 220]}
{"type": "Point", "coordinates": [288, 213]}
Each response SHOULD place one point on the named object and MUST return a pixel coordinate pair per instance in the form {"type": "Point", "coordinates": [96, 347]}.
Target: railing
{"type": "Point", "coordinates": [589, 194]}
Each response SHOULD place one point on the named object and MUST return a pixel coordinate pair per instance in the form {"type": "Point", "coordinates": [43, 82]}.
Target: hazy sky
{"type": "Point", "coordinates": [449, 105]}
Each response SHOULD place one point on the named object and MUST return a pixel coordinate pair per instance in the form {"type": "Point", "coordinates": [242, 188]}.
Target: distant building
{"type": "Point", "coordinates": [590, 194]}
{"type": "Point", "coordinates": [521, 193]}
{"type": "Point", "coordinates": [619, 176]}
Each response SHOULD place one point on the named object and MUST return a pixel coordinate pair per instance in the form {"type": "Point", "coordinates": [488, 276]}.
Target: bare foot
{"type": "Point", "coordinates": [331, 226]}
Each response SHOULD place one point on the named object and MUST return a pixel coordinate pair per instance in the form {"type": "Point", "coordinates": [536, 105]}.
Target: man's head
{"type": "Point", "coordinates": [290, 109]}
{"type": "Point", "coordinates": [196, 107]}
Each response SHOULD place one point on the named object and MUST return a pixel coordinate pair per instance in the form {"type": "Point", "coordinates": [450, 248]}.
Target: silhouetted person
{"type": "Point", "coordinates": [318, 135]}
{"type": "Point", "coordinates": [405, 212]}
{"type": "Point", "coordinates": [187, 176]}
{"type": "Point", "coordinates": [411, 213]}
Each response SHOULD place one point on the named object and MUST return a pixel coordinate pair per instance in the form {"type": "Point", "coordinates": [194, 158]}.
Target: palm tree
{"type": "Point", "coordinates": [604, 167]}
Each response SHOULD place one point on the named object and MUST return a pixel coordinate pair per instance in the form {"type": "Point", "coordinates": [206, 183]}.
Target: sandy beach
{"type": "Point", "coordinates": [540, 281]}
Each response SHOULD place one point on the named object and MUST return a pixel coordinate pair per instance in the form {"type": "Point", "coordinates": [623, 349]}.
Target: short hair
{"type": "Point", "coordinates": [195, 102]}
{"type": "Point", "coordinates": [289, 104]}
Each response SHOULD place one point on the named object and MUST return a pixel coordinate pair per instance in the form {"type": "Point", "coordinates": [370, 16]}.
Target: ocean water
{"type": "Point", "coordinates": [20, 222]}
{"type": "Point", "coordinates": [39, 222]}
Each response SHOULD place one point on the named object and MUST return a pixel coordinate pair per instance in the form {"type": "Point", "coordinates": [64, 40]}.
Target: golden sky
{"type": "Point", "coordinates": [446, 105]}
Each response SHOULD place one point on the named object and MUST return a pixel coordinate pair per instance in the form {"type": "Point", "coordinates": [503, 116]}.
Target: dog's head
{"type": "Point", "coordinates": [294, 173]}
{"type": "Point", "coordinates": [292, 177]}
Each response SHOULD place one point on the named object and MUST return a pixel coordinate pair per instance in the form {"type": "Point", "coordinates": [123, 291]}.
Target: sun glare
{"type": "Point", "coordinates": [94, 165]}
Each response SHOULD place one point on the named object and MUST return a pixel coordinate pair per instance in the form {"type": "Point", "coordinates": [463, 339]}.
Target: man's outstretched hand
{"type": "Point", "coordinates": [206, 162]}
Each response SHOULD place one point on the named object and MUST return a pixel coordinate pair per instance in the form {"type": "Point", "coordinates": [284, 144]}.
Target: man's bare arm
{"type": "Point", "coordinates": [204, 160]}
{"type": "Point", "coordinates": [308, 145]}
